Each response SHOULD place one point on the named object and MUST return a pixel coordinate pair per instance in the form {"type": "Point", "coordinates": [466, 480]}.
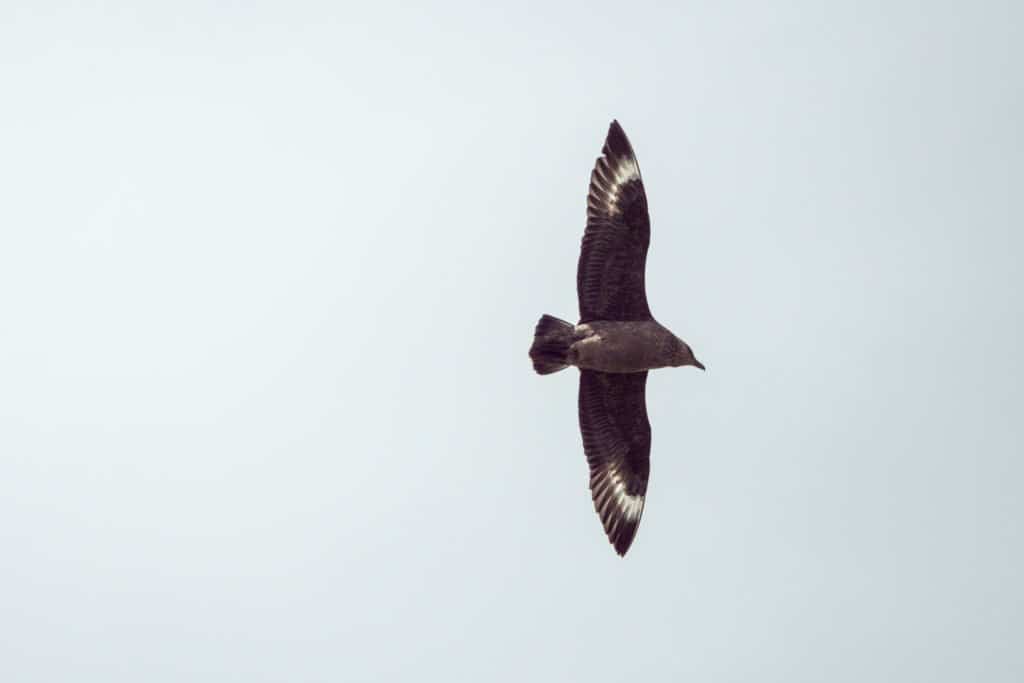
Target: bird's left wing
{"type": "Point", "coordinates": [613, 255]}
{"type": "Point", "coordinates": [617, 441]}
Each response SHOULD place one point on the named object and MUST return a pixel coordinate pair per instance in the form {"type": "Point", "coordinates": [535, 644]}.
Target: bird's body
{"type": "Point", "coordinates": [622, 346]}
{"type": "Point", "coordinates": [616, 342]}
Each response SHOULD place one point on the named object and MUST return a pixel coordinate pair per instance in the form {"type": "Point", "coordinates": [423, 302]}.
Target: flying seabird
{"type": "Point", "coordinates": [616, 341]}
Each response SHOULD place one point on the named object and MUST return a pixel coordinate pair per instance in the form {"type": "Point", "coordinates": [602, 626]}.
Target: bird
{"type": "Point", "coordinates": [616, 341]}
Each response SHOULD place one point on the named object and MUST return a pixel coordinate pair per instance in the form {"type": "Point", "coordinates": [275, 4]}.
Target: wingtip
{"type": "Point", "coordinates": [617, 142]}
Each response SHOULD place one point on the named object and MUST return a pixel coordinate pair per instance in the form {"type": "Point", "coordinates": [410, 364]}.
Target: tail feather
{"type": "Point", "coordinates": [551, 341]}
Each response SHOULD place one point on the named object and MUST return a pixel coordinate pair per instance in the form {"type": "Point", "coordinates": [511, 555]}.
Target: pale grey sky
{"type": "Point", "coordinates": [269, 272]}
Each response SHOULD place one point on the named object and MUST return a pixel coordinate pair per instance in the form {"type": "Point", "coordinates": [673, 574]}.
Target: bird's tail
{"type": "Point", "coordinates": [551, 341]}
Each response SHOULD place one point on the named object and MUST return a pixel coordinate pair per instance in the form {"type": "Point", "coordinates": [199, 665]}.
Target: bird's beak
{"type": "Point", "coordinates": [698, 364]}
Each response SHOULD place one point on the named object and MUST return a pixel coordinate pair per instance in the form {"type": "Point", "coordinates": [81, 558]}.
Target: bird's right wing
{"type": "Point", "coordinates": [617, 441]}
{"type": "Point", "coordinates": [610, 274]}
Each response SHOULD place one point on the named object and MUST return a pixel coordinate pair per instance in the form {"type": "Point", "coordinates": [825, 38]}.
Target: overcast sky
{"type": "Point", "coordinates": [269, 274]}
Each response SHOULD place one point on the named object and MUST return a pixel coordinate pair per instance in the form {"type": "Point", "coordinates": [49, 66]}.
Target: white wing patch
{"type": "Point", "coordinates": [623, 173]}
{"type": "Point", "coordinates": [612, 490]}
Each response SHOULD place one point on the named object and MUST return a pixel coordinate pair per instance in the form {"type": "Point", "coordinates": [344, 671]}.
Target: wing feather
{"type": "Point", "coordinates": [613, 254]}
{"type": "Point", "coordinates": [617, 441]}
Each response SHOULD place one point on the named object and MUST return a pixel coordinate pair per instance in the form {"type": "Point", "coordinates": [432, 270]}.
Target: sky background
{"type": "Point", "coordinates": [269, 274]}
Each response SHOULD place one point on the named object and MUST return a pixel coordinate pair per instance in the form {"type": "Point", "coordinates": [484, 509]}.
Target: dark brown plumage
{"type": "Point", "coordinates": [617, 441]}
{"type": "Point", "coordinates": [616, 341]}
{"type": "Point", "coordinates": [610, 273]}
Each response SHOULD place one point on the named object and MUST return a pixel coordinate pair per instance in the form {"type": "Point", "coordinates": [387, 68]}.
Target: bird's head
{"type": "Point", "coordinates": [682, 354]}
